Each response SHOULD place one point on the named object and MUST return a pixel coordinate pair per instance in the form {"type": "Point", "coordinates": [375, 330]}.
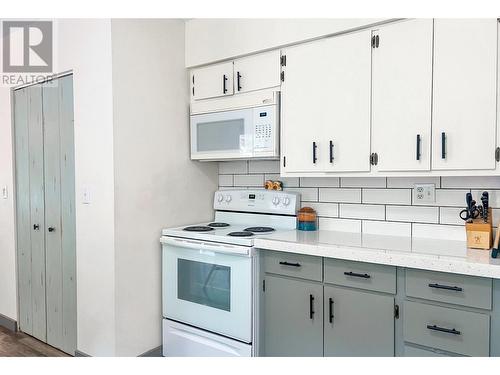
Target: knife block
{"type": "Point", "coordinates": [479, 233]}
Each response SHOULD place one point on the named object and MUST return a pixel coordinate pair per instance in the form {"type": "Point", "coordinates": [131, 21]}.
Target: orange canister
{"type": "Point", "coordinates": [307, 219]}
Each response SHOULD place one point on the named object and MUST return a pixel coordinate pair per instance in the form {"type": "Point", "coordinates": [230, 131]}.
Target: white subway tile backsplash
{"type": "Point", "coordinates": [364, 182]}
{"type": "Point", "coordinates": [412, 214]}
{"type": "Point", "coordinates": [287, 181]}
{"type": "Point", "coordinates": [225, 180]}
{"type": "Point", "coordinates": [386, 196]}
{"type": "Point", "coordinates": [446, 197]}
{"type": "Point", "coordinates": [493, 195]}
{"type": "Point", "coordinates": [339, 225]}
{"type": "Point", "coordinates": [439, 232]}
{"type": "Point", "coordinates": [319, 182]}
{"type": "Point", "coordinates": [340, 195]}
{"type": "Point", "coordinates": [231, 167]}
{"type": "Point", "coordinates": [450, 215]}
{"type": "Point", "coordinates": [386, 228]}
{"type": "Point", "coordinates": [409, 182]}
{"type": "Point", "coordinates": [324, 209]}
{"type": "Point", "coordinates": [307, 194]}
{"type": "Point", "coordinates": [362, 211]}
{"type": "Point", "coordinates": [488, 182]}
{"type": "Point", "coordinates": [264, 166]}
{"type": "Point", "coordinates": [249, 180]}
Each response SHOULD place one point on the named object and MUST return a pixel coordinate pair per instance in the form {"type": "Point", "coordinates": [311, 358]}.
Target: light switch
{"type": "Point", "coordinates": [86, 196]}
{"type": "Point", "coordinates": [5, 192]}
{"type": "Point", "coordinates": [424, 193]}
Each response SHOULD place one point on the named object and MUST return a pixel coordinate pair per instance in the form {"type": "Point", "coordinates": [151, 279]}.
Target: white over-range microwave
{"type": "Point", "coordinates": [240, 128]}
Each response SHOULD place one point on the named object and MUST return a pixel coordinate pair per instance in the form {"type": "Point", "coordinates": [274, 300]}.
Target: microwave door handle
{"type": "Point", "coordinates": [196, 245]}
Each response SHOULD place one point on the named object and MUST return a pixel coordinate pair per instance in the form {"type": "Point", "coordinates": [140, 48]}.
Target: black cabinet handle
{"type": "Point", "coordinates": [224, 88]}
{"type": "Point", "coordinates": [238, 77]}
{"type": "Point", "coordinates": [452, 331]}
{"type": "Point", "coordinates": [446, 287]}
{"type": "Point", "coordinates": [314, 152]}
{"type": "Point", "coordinates": [52, 229]}
{"type": "Point", "coordinates": [311, 306]}
{"type": "Point", "coordinates": [290, 264]}
{"type": "Point", "coordinates": [418, 146]}
{"type": "Point", "coordinates": [443, 145]}
{"type": "Point", "coordinates": [36, 227]}
{"type": "Point", "coordinates": [330, 310]}
{"type": "Point", "coordinates": [363, 275]}
{"type": "Point", "coordinates": [331, 151]}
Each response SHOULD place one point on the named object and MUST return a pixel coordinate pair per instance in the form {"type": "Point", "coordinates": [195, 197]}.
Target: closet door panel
{"type": "Point", "coordinates": [23, 211]}
{"type": "Point", "coordinates": [37, 212]}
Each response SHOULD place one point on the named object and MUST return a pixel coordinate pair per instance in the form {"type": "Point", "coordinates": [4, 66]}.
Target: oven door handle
{"type": "Point", "coordinates": [207, 246]}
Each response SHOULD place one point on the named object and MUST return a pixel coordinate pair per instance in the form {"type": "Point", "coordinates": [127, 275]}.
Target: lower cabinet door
{"type": "Point", "coordinates": [293, 318]}
{"type": "Point", "coordinates": [358, 323]}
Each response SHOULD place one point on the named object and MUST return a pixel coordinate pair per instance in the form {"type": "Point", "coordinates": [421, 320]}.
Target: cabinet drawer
{"type": "Point", "coordinates": [295, 265]}
{"type": "Point", "coordinates": [449, 288]}
{"type": "Point", "coordinates": [361, 275]}
{"type": "Point", "coordinates": [413, 351]}
{"type": "Point", "coordinates": [456, 331]}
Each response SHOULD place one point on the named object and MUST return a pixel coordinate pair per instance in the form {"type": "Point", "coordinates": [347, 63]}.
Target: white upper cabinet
{"type": "Point", "coordinates": [212, 81]}
{"type": "Point", "coordinates": [464, 98]}
{"type": "Point", "coordinates": [402, 95]}
{"type": "Point", "coordinates": [257, 72]}
{"type": "Point", "coordinates": [326, 105]}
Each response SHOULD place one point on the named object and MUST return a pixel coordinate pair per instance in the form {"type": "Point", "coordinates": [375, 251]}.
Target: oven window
{"type": "Point", "coordinates": [204, 283]}
{"type": "Point", "coordinates": [220, 135]}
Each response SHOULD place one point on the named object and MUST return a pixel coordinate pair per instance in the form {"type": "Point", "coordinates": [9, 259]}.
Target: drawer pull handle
{"type": "Point", "coordinates": [311, 306]}
{"type": "Point", "coordinates": [446, 287]}
{"type": "Point", "coordinates": [354, 274]}
{"type": "Point", "coordinates": [290, 264]}
{"type": "Point", "coordinates": [452, 331]}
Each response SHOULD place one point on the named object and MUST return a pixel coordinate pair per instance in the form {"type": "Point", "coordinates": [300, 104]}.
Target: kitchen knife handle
{"type": "Point", "coordinates": [443, 145]}
{"type": "Point", "coordinates": [418, 146]}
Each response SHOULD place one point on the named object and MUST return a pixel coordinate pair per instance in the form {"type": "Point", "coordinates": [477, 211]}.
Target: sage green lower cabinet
{"type": "Point", "coordinates": [358, 323]}
{"type": "Point", "coordinates": [293, 318]}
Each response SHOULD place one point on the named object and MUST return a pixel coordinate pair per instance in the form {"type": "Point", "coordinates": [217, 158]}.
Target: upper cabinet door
{"type": "Point", "coordinates": [401, 96]}
{"type": "Point", "coordinates": [464, 100]}
{"type": "Point", "coordinates": [257, 72]}
{"type": "Point", "coordinates": [212, 81]}
{"type": "Point", "coordinates": [326, 105]}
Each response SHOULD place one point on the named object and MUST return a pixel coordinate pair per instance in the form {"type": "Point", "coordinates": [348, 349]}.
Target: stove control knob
{"type": "Point", "coordinates": [228, 198]}
{"type": "Point", "coordinates": [276, 200]}
{"type": "Point", "coordinates": [286, 201]}
{"type": "Point", "coordinates": [220, 198]}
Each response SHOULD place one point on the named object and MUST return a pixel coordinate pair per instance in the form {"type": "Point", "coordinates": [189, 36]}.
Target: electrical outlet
{"type": "Point", "coordinates": [424, 193]}
{"type": "Point", "coordinates": [86, 196]}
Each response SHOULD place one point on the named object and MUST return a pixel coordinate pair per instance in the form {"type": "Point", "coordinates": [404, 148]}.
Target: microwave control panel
{"type": "Point", "coordinates": [264, 129]}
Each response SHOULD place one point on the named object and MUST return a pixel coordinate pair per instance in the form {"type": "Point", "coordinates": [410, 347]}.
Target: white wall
{"type": "Point", "coordinates": [212, 39]}
{"type": "Point", "coordinates": [156, 185]}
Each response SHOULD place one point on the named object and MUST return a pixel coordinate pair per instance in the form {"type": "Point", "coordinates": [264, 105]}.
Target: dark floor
{"type": "Point", "coordinates": [18, 344]}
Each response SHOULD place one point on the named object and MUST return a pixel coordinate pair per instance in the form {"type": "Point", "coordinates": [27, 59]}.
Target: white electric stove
{"type": "Point", "coordinates": [210, 274]}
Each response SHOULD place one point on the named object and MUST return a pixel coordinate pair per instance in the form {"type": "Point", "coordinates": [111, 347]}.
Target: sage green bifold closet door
{"type": "Point", "coordinates": [45, 204]}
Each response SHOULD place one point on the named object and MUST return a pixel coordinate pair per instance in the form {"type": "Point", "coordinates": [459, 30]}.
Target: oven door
{"type": "Point", "coordinates": [208, 286]}
{"type": "Point", "coordinates": [222, 135]}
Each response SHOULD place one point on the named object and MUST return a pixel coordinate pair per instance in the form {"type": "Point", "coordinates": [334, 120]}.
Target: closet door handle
{"type": "Point", "coordinates": [331, 151]}
{"type": "Point", "coordinates": [443, 145]}
{"type": "Point", "coordinates": [52, 229]}
{"type": "Point", "coordinates": [36, 227]}
{"type": "Point", "coordinates": [311, 306]}
{"type": "Point", "coordinates": [418, 146]}
{"type": "Point", "coordinates": [330, 310]}
{"type": "Point", "coordinates": [224, 88]}
{"type": "Point", "coordinates": [238, 77]}
{"type": "Point", "coordinates": [314, 152]}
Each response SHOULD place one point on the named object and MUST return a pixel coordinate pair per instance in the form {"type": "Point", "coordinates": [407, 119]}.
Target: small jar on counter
{"type": "Point", "coordinates": [307, 219]}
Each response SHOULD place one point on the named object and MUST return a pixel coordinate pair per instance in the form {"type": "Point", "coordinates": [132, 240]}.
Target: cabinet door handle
{"type": "Point", "coordinates": [290, 264]}
{"type": "Point", "coordinates": [354, 274]}
{"type": "Point", "coordinates": [330, 310]}
{"type": "Point", "coordinates": [452, 331]}
{"type": "Point", "coordinates": [446, 287]}
{"type": "Point", "coordinates": [331, 151]}
{"type": "Point", "coordinates": [311, 306]}
{"type": "Point", "coordinates": [443, 145]}
{"type": "Point", "coordinates": [314, 152]}
{"type": "Point", "coordinates": [418, 146]}
{"type": "Point", "coordinates": [224, 88]}
{"type": "Point", "coordinates": [238, 77]}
